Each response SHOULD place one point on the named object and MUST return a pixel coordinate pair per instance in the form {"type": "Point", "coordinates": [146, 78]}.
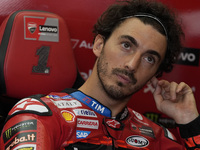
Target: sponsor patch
{"type": "Point", "coordinates": [68, 116]}
{"type": "Point", "coordinates": [148, 131]}
{"type": "Point", "coordinates": [56, 97]}
{"type": "Point", "coordinates": [26, 147]}
{"type": "Point", "coordinates": [138, 115]}
{"type": "Point", "coordinates": [67, 103]}
{"type": "Point", "coordinates": [113, 123]}
{"type": "Point", "coordinates": [21, 138]}
{"type": "Point", "coordinates": [133, 127]}
{"type": "Point", "coordinates": [139, 118]}
{"type": "Point", "coordinates": [82, 134]}
{"type": "Point", "coordinates": [84, 112]}
{"type": "Point", "coordinates": [32, 26]}
{"type": "Point", "coordinates": [124, 114]}
{"type": "Point", "coordinates": [87, 123]}
{"type": "Point", "coordinates": [21, 126]}
{"type": "Point", "coordinates": [92, 103]}
{"type": "Point", "coordinates": [137, 141]}
{"type": "Point", "coordinates": [41, 28]}
{"type": "Point", "coordinates": [157, 118]}
{"type": "Point", "coordinates": [31, 105]}
{"type": "Point", "coordinates": [49, 29]}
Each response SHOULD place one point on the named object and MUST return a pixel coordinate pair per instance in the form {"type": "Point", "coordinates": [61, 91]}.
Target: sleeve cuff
{"type": "Point", "coordinates": [191, 129]}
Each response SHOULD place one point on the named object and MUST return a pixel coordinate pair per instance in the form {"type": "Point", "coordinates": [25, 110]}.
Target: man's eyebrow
{"type": "Point", "coordinates": [154, 53]}
{"type": "Point", "coordinates": [130, 38]}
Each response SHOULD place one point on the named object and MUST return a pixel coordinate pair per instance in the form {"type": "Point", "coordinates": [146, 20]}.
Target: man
{"type": "Point", "coordinates": [135, 42]}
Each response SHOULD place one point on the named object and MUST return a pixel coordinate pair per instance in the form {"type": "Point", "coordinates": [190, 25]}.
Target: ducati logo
{"type": "Point", "coordinates": [32, 27]}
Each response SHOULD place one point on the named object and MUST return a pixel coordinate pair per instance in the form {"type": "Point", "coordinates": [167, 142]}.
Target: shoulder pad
{"type": "Point", "coordinates": [32, 105]}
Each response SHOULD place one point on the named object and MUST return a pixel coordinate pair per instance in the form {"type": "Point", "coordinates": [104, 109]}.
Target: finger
{"type": "Point", "coordinates": [157, 93]}
{"type": "Point", "coordinates": [158, 98]}
{"type": "Point", "coordinates": [165, 89]}
{"type": "Point", "coordinates": [157, 87]}
{"type": "Point", "coordinates": [183, 88]}
{"type": "Point", "coordinates": [165, 85]}
{"type": "Point", "coordinates": [173, 90]}
{"type": "Point", "coordinates": [154, 81]}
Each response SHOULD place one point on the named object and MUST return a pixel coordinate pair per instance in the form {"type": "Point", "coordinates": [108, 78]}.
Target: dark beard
{"type": "Point", "coordinates": [113, 91]}
{"type": "Point", "coordinates": [130, 75]}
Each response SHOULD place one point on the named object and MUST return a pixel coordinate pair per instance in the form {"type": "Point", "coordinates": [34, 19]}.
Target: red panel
{"type": "Point", "coordinates": [22, 60]}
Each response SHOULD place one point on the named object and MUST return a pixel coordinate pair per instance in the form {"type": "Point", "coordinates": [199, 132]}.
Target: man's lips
{"type": "Point", "coordinates": [124, 78]}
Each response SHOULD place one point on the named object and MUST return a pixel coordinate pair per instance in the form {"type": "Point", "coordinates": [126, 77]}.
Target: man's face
{"type": "Point", "coordinates": [130, 58]}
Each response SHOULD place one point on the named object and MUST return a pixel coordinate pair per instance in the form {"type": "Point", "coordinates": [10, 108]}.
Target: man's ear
{"type": "Point", "coordinates": [98, 45]}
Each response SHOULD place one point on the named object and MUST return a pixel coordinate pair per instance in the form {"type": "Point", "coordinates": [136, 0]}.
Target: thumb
{"type": "Point", "coordinates": [157, 92]}
{"type": "Point", "coordinates": [154, 81]}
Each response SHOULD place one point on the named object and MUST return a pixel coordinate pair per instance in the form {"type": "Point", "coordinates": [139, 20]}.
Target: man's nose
{"type": "Point", "coordinates": [133, 61]}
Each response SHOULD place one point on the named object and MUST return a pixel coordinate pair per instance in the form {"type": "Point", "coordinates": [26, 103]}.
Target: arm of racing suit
{"type": "Point", "coordinates": [25, 131]}
{"type": "Point", "coordinates": [31, 125]}
{"type": "Point", "coordinates": [191, 134]}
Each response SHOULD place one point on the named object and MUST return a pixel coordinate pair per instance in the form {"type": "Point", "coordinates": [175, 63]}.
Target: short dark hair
{"type": "Point", "coordinates": [112, 18]}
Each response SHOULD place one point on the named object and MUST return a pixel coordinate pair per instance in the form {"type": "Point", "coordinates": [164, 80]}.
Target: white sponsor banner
{"type": "Point", "coordinates": [87, 123]}
{"type": "Point", "coordinates": [85, 112]}
{"type": "Point", "coordinates": [67, 103]}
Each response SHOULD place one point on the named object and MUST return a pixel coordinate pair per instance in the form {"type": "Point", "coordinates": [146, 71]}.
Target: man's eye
{"type": "Point", "coordinates": [126, 45]}
{"type": "Point", "coordinates": [150, 60]}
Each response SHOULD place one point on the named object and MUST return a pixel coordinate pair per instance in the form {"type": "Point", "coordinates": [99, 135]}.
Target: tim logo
{"type": "Point", "coordinates": [189, 56]}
